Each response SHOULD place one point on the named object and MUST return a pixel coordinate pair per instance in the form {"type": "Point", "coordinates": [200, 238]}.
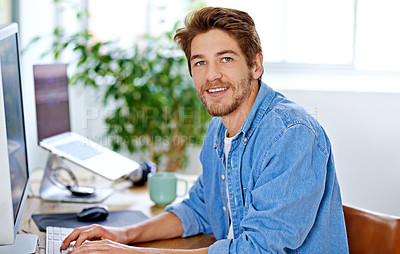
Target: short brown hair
{"type": "Point", "coordinates": [237, 24]}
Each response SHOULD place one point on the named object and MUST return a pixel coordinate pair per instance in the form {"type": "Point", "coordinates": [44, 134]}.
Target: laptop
{"type": "Point", "coordinates": [54, 131]}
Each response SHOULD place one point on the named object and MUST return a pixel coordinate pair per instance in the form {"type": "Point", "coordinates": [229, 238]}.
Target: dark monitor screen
{"type": "Point", "coordinates": [16, 142]}
{"type": "Point", "coordinates": [51, 94]}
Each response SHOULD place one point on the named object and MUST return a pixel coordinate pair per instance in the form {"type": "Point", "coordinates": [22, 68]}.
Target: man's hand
{"type": "Point", "coordinates": [107, 246]}
{"type": "Point", "coordinates": [103, 246]}
{"type": "Point", "coordinates": [163, 226]}
{"type": "Point", "coordinates": [95, 232]}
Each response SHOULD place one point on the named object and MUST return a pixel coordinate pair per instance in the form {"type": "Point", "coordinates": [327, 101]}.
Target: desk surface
{"type": "Point", "coordinates": [125, 197]}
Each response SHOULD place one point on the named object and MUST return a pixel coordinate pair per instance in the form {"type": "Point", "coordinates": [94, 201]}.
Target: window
{"type": "Point", "coordinates": [306, 31]}
{"type": "Point", "coordinates": [122, 20]}
{"type": "Point", "coordinates": [126, 20]}
{"type": "Point", "coordinates": [354, 34]}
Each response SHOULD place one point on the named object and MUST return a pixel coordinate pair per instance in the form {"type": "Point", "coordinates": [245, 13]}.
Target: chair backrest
{"type": "Point", "coordinates": [370, 232]}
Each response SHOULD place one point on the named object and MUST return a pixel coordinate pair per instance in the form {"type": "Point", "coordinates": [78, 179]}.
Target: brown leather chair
{"type": "Point", "coordinates": [370, 232]}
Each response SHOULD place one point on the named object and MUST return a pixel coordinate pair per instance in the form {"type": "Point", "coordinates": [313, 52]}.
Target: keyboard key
{"type": "Point", "coordinates": [65, 231]}
{"type": "Point", "coordinates": [54, 238]}
{"type": "Point", "coordinates": [56, 230]}
{"type": "Point", "coordinates": [56, 246]}
{"type": "Point", "coordinates": [67, 250]}
{"type": "Point", "coordinates": [50, 246]}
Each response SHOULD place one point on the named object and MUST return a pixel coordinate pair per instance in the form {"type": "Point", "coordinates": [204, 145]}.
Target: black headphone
{"type": "Point", "coordinates": [138, 178]}
{"type": "Point", "coordinates": [74, 188]}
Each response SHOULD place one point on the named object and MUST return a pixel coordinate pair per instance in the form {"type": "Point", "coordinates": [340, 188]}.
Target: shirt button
{"type": "Point", "coordinates": [224, 208]}
{"type": "Point", "coordinates": [223, 177]}
{"type": "Point", "coordinates": [244, 139]}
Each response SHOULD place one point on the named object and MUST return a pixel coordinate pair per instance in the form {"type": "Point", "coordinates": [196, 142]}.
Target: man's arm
{"type": "Point", "coordinates": [107, 246]}
{"type": "Point", "coordinates": [164, 226]}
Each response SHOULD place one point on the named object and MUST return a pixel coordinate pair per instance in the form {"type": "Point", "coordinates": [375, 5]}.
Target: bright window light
{"type": "Point", "coordinates": [378, 35]}
{"type": "Point", "coordinates": [269, 18]}
{"type": "Point", "coordinates": [319, 31]}
{"type": "Point", "coordinates": [122, 20]}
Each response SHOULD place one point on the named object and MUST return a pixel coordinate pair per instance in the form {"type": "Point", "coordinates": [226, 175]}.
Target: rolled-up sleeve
{"type": "Point", "coordinates": [193, 211]}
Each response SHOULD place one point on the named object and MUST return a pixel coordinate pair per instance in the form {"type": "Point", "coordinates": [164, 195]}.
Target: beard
{"type": "Point", "coordinates": [240, 92]}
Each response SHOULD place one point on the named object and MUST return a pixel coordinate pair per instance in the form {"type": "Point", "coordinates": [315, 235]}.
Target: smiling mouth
{"type": "Point", "coordinates": [215, 90]}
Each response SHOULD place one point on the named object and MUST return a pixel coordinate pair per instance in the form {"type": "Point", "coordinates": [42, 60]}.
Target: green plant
{"type": "Point", "coordinates": [156, 107]}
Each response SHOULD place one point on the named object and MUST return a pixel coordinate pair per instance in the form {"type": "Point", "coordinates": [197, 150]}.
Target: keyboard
{"type": "Point", "coordinates": [54, 238]}
{"type": "Point", "coordinates": [79, 149]}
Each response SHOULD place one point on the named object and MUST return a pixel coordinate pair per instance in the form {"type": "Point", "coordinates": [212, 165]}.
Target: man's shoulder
{"type": "Point", "coordinates": [283, 115]}
{"type": "Point", "coordinates": [291, 114]}
{"type": "Point", "coordinates": [272, 107]}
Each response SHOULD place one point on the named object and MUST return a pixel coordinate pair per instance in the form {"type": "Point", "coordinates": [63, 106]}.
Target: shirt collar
{"type": "Point", "coordinates": [264, 98]}
{"type": "Point", "coordinates": [260, 107]}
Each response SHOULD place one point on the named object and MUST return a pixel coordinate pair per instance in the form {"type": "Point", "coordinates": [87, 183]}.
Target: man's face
{"type": "Point", "coordinates": [220, 73]}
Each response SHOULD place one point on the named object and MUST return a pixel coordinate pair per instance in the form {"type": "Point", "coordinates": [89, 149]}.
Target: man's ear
{"type": "Point", "coordinates": [258, 66]}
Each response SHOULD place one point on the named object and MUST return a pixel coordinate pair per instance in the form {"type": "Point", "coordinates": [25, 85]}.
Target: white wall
{"type": "Point", "coordinates": [364, 129]}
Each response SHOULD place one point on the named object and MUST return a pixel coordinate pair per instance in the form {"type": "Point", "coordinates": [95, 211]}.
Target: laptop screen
{"type": "Point", "coordinates": [51, 95]}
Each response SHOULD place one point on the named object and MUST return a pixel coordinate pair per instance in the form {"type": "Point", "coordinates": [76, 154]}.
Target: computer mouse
{"type": "Point", "coordinates": [94, 213]}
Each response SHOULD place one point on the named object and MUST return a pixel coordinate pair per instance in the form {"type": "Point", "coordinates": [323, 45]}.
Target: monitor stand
{"type": "Point", "coordinates": [51, 192]}
{"type": "Point", "coordinates": [23, 244]}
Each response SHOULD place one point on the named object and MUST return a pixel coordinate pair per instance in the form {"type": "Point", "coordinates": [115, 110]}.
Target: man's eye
{"type": "Point", "coordinates": [226, 59]}
{"type": "Point", "coordinates": [200, 63]}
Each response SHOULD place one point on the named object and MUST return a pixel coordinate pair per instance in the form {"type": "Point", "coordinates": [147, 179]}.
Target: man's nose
{"type": "Point", "coordinates": [213, 72]}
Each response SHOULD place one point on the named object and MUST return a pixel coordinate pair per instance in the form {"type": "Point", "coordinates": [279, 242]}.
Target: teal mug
{"type": "Point", "coordinates": [163, 187]}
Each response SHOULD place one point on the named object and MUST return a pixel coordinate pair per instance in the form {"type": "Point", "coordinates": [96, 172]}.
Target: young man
{"type": "Point", "coordinates": [268, 183]}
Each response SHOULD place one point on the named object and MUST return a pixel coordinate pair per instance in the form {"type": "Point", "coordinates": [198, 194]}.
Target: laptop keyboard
{"type": "Point", "coordinates": [54, 238]}
{"type": "Point", "coordinates": [79, 149]}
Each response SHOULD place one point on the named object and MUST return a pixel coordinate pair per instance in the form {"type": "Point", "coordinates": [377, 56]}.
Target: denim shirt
{"type": "Point", "coordinates": [283, 190]}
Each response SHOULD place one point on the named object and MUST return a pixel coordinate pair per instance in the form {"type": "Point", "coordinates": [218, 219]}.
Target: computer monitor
{"type": "Point", "coordinates": [14, 171]}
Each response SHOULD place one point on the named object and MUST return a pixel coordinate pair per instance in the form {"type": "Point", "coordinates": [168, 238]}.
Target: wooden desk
{"type": "Point", "coordinates": [125, 197]}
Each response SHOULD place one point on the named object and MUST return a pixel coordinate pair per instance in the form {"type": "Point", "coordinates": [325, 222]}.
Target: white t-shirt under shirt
{"type": "Point", "coordinates": [227, 148]}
